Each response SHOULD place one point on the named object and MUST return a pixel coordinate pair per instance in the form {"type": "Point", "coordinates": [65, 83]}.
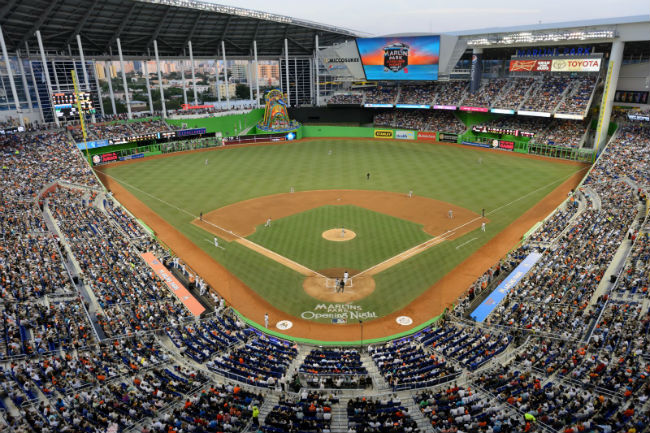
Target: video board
{"type": "Point", "coordinates": [65, 104]}
{"type": "Point", "coordinates": [405, 58]}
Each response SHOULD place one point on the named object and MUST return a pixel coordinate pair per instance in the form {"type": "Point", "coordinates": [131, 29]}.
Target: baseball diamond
{"type": "Point", "coordinates": [405, 246]}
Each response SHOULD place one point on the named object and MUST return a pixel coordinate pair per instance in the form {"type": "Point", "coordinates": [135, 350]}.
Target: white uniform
{"type": "Point", "coordinates": [266, 320]}
{"type": "Point", "coordinates": [345, 277]}
{"type": "Point", "coordinates": [268, 223]}
{"type": "Point", "coordinates": [216, 242]}
{"type": "Point", "coordinates": [483, 226]}
{"type": "Point", "coordinates": [450, 213]}
{"type": "Point", "coordinates": [410, 193]}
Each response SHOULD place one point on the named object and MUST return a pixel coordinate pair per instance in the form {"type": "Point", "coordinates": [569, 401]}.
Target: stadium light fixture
{"type": "Point", "coordinates": [545, 36]}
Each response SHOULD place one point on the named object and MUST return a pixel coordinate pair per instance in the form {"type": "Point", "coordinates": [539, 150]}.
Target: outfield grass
{"type": "Point", "coordinates": [502, 181]}
{"type": "Point", "coordinates": [379, 237]}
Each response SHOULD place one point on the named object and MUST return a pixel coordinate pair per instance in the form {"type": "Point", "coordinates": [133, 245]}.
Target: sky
{"type": "Point", "coordinates": [380, 17]}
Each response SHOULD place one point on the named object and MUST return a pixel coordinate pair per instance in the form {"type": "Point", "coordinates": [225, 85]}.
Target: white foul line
{"type": "Point", "coordinates": [465, 243]}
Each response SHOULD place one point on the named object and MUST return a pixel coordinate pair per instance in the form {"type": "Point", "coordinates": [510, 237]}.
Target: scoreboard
{"type": "Point", "coordinates": [65, 104]}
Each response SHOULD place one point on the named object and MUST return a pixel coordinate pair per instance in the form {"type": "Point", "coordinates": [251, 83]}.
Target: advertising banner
{"type": "Point", "coordinates": [105, 157]}
{"type": "Point", "coordinates": [575, 65]}
{"type": "Point", "coordinates": [444, 107]}
{"type": "Point", "coordinates": [448, 138]}
{"type": "Point", "coordinates": [383, 133]}
{"type": "Point", "coordinates": [568, 116]}
{"type": "Point", "coordinates": [492, 301]}
{"type": "Point", "coordinates": [342, 60]}
{"type": "Point", "coordinates": [505, 145]}
{"type": "Point", "coordinates": [93, 144]}
{"type": "Point", "coordinates": [475, 109]}
{"type": "Point", "coordinates": [522, 65]}
{"type": "Point", "coordinates": [426, 135]}
{"type": "Point", "coordinates": [501, 111]}
{"type": "Point", "coordinates": [187, 132]}
{"type": "Point", "coordinates": [400, 58]}
{"type": "Point", "coordinates": [405, 135]}
{"type": "Point", "coordinates": [412, 106]}
{"type": "Point", "coordinates": [183, 295]}
{"type": "Point", "coordinates": [378, 105]}
{"type": "Point", "coordinates": [533, 113]}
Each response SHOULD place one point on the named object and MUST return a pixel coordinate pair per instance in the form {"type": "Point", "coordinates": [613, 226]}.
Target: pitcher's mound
{"type": "Point", "coordinates": [322, 288]}
{"type": "Point", "coordinates": [339, 235]}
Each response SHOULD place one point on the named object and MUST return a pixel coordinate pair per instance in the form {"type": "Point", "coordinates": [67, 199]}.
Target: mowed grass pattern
{"type": "Point", "coordinates": [379, 237]}
{"type": "Point", "coordinates": [504, 184]}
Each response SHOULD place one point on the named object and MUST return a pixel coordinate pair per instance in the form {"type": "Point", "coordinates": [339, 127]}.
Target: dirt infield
{"type": "Point", "coordinates": [241, 218]}
{"type": "Point", "coordinates": [338, 235]}
{"type": "Point", "coordinates": [429, 304]}
{"type": "Point", "coordinates": [358, 287]}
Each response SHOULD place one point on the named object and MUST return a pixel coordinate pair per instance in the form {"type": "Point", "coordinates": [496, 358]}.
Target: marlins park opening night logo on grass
{"type": "Point", "coordinates": [338, 311]}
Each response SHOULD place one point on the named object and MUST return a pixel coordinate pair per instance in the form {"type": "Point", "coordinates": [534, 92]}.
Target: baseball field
{"type": "Point", "coordinates": [413, 224]}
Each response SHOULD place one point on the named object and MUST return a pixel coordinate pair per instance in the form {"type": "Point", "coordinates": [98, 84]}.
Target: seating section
{"type": "Point", "coordinates": [421, 120]}
{"type": "Point", "coordinates": [114, 350]}
{"type": "Point", "coordinates": [385, 414]}
{"type": "Point", "coordinates": [346, 99]}
{"type": "Point", "coordinates": [405, 364]}
{"type": "Point", "coordinates": [463, 409]}
{"type": "Point", "coordinates": [335, 368]}
{"type": "Point", "coordinates": [310, 412]}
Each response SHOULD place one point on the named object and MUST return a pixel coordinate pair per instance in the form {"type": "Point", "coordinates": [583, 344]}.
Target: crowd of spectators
{"type": "Point", "coordinates": [546, 93]}
{"type": "Point", "coordinates": [564, 133]}
{"type": "Point", "coordinates": [585, 367]}
{"type": "Point", "coordinates": [451, 92]}
{"type": "Point", "coordinates": [421, 120]}
{"type": "Point", "coordinates": [487, 94]}
{"type": "Point", "coordinates": [577, 100]}
{"type": "Point", "coordinates": [346, 99]}
{"type": "Point", "coordinates": [417, 94]}
{"type": "Point", "coordinates": [457, 408]}
{"type": "Point", "coordinates": [409, 362]}
{"type": "Point", "coordinates": [218, 408]}
{"type": "Point", "coordinates": [379, 415]}
{"type": "Point", "coordinates": [381, 95]}
{"type": "Point", "coordinates": [307, 412]}
{"type": "Point", "coordinates": [335, 368]}
{"type": "Point", "coordinates": [514, 93]}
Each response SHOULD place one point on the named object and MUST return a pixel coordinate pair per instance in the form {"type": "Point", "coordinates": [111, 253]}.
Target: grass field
{"type": "Point", "coordinates": [379, 237]}
{"type": "Point", "coordinates": [179, 187]}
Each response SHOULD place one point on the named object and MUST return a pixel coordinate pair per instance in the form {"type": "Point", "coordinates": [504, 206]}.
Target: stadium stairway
{"type": "Point", "coordinates": [271, 399]}
{"type": "Point", "coordinates": [340, 416]}
{"type": "Point", "coordinates": [378, 381]}
{"type": "Point", "coordinates": [614, 269]}
{"type": "Point", "coordinates": [424, 425]}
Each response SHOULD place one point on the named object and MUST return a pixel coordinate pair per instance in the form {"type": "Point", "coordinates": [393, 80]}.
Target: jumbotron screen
{"type": "Point", "coordinates": [412, 58]}
{"type": "Point", "coordinates": [65, 104]}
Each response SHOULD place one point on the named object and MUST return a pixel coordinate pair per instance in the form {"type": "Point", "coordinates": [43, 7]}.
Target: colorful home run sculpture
{"type": "Point", "coordinates": [276, 117]}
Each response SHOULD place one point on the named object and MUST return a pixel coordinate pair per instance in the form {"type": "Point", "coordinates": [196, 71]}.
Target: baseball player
{"type": "Point", "coordinates": [410, 193]}
{"type": "Point", "coordinates": [266, 320]}
{"type": "Point", "coordinates": [450, 214]}
{"type": "Point", "coordinates": [483, 226]}
{"type": "Point", "coordinates": [345, 277]}
{"type": "Point", "coordinates": [216, 242]}
{"type": "Point", "coordinates": [268, 222]}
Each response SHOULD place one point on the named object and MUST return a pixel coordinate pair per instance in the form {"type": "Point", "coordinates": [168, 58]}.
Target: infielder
{"type": "Point", "coordinates": [410, 193]}
{"type": "Point", "coordinates": [266, 320]}
{"type": "Point", "coordinates": [268, 222]}
{"type": "Point", "coordinates": [450, 214]}
{"type": "Point", "coordinates": [483, 226]}
{"type": "Point", "coordinates": [216, 242]}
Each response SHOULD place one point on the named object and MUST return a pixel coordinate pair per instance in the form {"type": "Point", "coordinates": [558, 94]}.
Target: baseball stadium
{"type": "Point", "coordinates": [218, 219]}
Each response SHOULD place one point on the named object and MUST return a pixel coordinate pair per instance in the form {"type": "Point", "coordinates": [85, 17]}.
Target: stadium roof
{"type": "Point", "coordinates": [171, 22]}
